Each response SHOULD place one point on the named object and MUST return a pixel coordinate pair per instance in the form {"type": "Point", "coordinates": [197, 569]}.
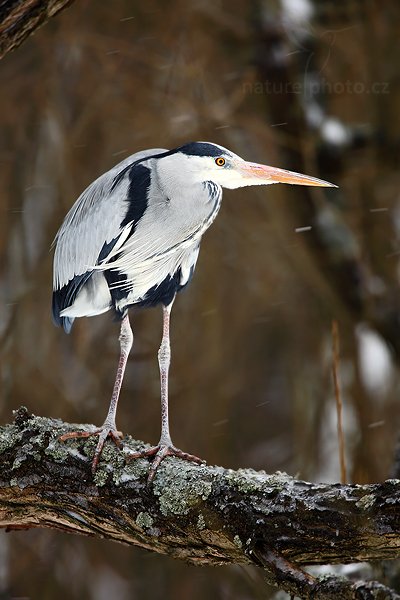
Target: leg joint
{"type": "Point", "coordinates": [164, 354]}
{"type": "Point", "coordinates": [126, 338]}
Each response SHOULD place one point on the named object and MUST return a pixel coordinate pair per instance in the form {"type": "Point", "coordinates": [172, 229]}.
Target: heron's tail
{"type": "Point", "coordinates": [65, 322]}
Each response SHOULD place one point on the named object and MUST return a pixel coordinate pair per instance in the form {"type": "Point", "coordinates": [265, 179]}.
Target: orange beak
{"type": "Point", "coordinates": [267, 174]}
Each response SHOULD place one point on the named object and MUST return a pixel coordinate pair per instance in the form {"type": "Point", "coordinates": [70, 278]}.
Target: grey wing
{"type": "Point", "coordinates": [166, 238]}
{"type": "Point", "coordinates": [95, 221]}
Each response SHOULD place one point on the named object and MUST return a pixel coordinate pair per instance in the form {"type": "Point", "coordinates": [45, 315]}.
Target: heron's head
{"type": "Point", "coordinates": [204, 161]}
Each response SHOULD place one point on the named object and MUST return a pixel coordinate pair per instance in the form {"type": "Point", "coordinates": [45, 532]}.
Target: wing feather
{"type": "Point", "coordinates": [95, 221]}
{"type": "Point", "coordinates": [164, 232]}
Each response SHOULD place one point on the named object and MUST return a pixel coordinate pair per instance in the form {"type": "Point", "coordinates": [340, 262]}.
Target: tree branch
{"type": "Point", "coordinates": [205, 515]}
{"type": "Point", "coordinates": [20, 18]}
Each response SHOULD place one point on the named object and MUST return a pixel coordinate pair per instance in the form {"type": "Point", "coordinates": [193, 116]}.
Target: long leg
{"type": "Point", "coordinates": [164, 361]}
{"type": "Point", "coordinates": [164, 447]}
{"type": "Point", "coordinates": [109, 428]}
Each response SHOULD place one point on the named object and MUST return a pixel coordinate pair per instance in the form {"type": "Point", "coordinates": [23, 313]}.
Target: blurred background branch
{"type": "Point", "coordinates": [20, 18]}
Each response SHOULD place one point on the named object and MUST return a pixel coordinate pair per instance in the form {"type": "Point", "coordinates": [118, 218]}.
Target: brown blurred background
{"type": "Point", "coordinates": [309, 86]}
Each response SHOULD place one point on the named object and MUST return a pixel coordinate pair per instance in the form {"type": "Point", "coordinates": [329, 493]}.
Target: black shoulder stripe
{"type": "Point", "coordinates": [139, 183]}
{"type": "Point", "coordinates": [118, 178]}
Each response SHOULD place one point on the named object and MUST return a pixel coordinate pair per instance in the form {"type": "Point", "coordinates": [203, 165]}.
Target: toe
{"type": "Point", "coordinates": [103, 432]}
{"type": "Point", "coordinates": [77, 434]}
{"type": "Point", "coordinates": [160, 452]}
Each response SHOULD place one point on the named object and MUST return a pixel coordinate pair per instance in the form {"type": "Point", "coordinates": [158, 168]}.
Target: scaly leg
{"type": "Point", "coordinates": [109, 428]}
{"type": "Point", "coordinates": [165, 446]}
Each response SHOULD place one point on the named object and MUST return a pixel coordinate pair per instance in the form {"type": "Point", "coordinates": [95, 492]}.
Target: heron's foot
{"type": "Point", "coordinates": [103, 432]}
{"type": "Point", "coordinates": [160, 452]}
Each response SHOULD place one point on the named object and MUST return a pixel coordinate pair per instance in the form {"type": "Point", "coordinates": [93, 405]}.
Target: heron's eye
{"type": "Point", "coordinates": [220, 161]}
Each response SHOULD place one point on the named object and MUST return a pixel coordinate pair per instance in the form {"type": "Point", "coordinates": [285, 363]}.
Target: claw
{"type": "Point", "coordinates": [103, 432]}
{"type": "Point", "coordinates": [160, 452]}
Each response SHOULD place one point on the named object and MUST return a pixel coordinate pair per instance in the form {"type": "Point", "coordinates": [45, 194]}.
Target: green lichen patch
{"type": "Point", "coordinates": [9, 438]}
{"type": "Point", "coordinates": [59, 451]}
{"type": "Point", "coordinates": [144, 520]}
{"type": "Point", "coordinates": [101, 477]}
{"type": "Point", "coordinates": [31, 434]}
{"type": "Point", "coordinates": [25, 452]}
{"type": "Point", "coordinates": [201, 524]}
{"type": "Point", "coordinates": [132, 471]}
{"type": "Point", "coordinates": [279, 479]}
{"type": "Point", "coordinates": [250, 481]}
{"type": "Point", "coordinates": [111, 454]}
{"type": "Point", "coordinates": [181, 486]}
{"type": "Point", "coordinates": [366, 501]}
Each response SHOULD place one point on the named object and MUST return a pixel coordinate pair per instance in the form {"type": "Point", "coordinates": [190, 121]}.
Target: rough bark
{"type": "Point", "coordinates": [205, 515]}
{"type": "Point", "coordinates": [20, 18]}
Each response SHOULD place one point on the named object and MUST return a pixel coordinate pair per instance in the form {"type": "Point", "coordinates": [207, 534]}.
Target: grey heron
{"type": "Point", "coordinates": [132, 239]}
